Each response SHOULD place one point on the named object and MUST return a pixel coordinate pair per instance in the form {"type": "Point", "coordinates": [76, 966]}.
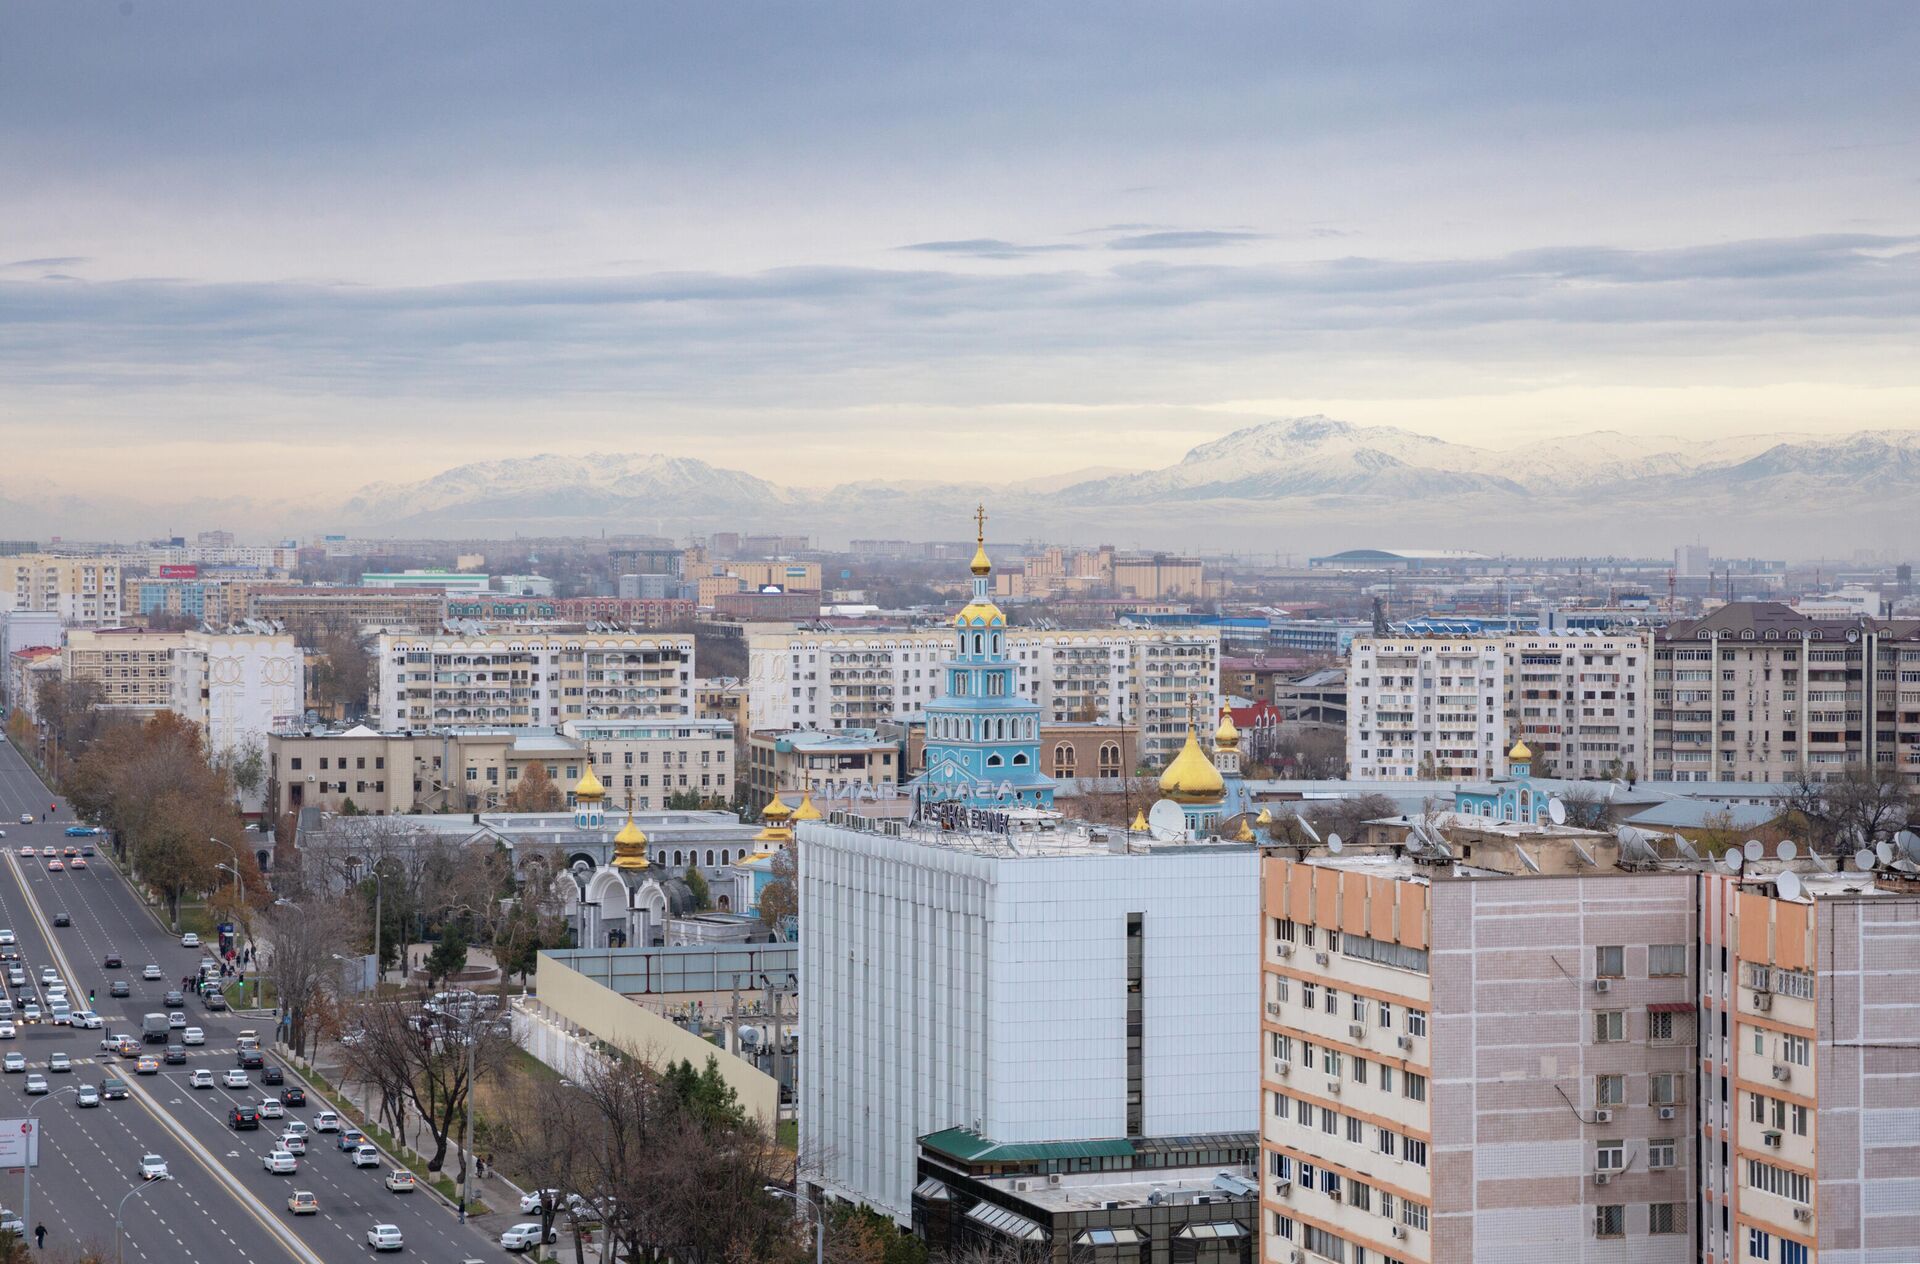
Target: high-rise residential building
{"type": "Point", "coordinates": [1446, 707]}
{"type": "Point", "coordinates": [215, 599]}
{"type": "Point", "coordinates": [133, 668]}
{"type": "Point", "coordinates": [530, 679]}
{"type": "Point", "coordinates": [1140, 677]}
{"type": "Point", "coordinates": [845, 764]}
{"type": "Point", "coordinates": [1756, 691]}
{"type": "Point", "coordinates": [320, 612]}
{"type": "Point", "coordinates": [83, 591]}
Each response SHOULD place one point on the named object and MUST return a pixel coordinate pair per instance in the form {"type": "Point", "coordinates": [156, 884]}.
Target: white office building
{"type": "Point", "coordinates": [1032, 985]}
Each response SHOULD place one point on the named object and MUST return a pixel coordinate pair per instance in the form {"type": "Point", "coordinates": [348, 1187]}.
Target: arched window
{"type": "Point", "coordinates": [977, 639]}
{"type": "Point", "coordinates": [709, 857]}
{"type": "Point", "coordinates": [1063, 760]}
{"type": "Point", "coordinates": [1019, 759]}
{"type": "Point", "coordinates": [1109, 759]}
{"type": "Point", "coordinates": [726, 857]}
{"type": "Point", "coordinates": [677, 860]}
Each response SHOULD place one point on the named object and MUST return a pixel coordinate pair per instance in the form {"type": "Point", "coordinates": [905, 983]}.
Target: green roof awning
{"type": "Point", "coordinates": [970, 1147]}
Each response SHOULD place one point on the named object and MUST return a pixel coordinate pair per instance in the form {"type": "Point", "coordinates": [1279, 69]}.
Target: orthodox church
{"type": "Point", "coordinates": [1200, 784]}
{"type": "Point", "coordinates": [628, 902]}
{"type": "Point", "coordinates": [1511, 798]}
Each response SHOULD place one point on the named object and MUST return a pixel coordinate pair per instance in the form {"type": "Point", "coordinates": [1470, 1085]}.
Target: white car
{"type": "Point", "coordinates": [6, 1030]}
{"type": "Point", "coordinates": [189, 940]}
{"type": "Point", "coordinates": [151, 974]}
{"type": "Point", "coordinates": [294, 1143]}
{"type": "Point", "coordinates": [326, 1121]}
{"type": "Point", "coordinates": [15, 1062]}
{"type": "Point", "coordinates": [271, 1109]}
{"type": "Point", "coordinates": [86, 1095]}
{"type": "Point", "coordinates": [530, 1202]}
{"type": "Point", "coordinates": [295, 1128]}
{"type": "Point", "coordinates": [86, 1018]}
{"type": "Point", "coordinates": [235, 1078]}
{"type": "Point", "coordinates": [152, 1167]}
{"type": "Point", "coordinates": [280, 1163]}
{"type": "Point", "coordinates": [6, 932]}
{"type": "Point", "coordinates": [193, 1036]}
{"type": "Point", "coordinates": [384, 1237]}
{"type": "Point", "coordinates": [36, 1084]}
{"type": "Point", "coordinates": [201, 1078]}
{"type": "Point", "coordinates": [49, 977]}
{"type": "Point", "coordinates": [59, 1061]}
{"type": "Point", "coordinates": [366, 1156]}
{"type": "Point", "coordinates": [30, 1013]}
{"type": "Point", "coordinates": [26, 818]}
{"type": "Point", "coordinates": [176, 1021]}
{"type": "Point", "coordinates": [523, 1236]}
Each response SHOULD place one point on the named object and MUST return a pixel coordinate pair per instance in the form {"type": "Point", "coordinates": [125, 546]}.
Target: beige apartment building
{"type": "Point", "coordinates": [83, 591]}
{"type": "Point", "coordinates": [529, 679]}
{"type": "Point", "coordinates": [330, 611]}
{"type": "Point", "coordinates": [1154, 575]}
{"type": "Point", "coordinates": [133, 668]}
{"type": "Point", "coordinates": [1139, 677]}
{"type": "Point", "coordinates": [1758, 692]}
{"type": "Point", "coordinates": [846, 764]}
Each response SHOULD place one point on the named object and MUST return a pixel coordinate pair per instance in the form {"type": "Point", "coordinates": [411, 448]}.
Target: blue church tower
{"type": "Point", "coordinates": [983, 738]}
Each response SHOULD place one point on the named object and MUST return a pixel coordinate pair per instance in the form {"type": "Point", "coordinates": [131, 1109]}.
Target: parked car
{"type": "Point", "coordinates": [522, 1236]}
{"type": "Point", "coordinates": [384, 1237]}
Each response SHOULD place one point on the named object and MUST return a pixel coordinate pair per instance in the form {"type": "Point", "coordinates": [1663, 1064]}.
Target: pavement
{"type": "Point", "coordinates": [221, 1204]}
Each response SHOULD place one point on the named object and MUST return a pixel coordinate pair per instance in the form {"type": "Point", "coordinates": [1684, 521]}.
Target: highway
{"type": "Point", "coordinates": [222, 1204]}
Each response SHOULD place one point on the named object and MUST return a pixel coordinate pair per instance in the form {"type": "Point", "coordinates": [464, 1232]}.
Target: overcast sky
{"type": "Point", "coordinates": [312, 245]}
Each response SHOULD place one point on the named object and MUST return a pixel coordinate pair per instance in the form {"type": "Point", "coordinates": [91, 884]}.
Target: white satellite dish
{"type": "Point", "coordinates": [1307, 826]}
{"type": "Point", "coordinates": [1911, 843]}
{"type": "Point", "coordinates": [1863, 860]}
{"type": "Point", "coordinates": [1557, 810]}
{"type": "Point", "coordinates": [1907, 838]}
{"type": "Point", "coordinates": [1753, 850]}
{"type": "Point", "coordinates": [1786, 850]}
{"type": "Point", "coordinates": [1166, 822]}
{"type": "Point", "coordinates": [1884, 851]}
{"type": "Point", "coordinates": [1733, 860]}
{"type": "Point", "coordinates": [1334, 844]}
{"type": "Point", "coordinates": [1788, 885]}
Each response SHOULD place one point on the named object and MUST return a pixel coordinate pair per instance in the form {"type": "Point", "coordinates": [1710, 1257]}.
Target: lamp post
{"type": "Point", "coordinates": [819, 1219]}
{"type": "Point", "coordinates": [26, 1190]}
{"type": "Point", "coordinates": [119, 1247]}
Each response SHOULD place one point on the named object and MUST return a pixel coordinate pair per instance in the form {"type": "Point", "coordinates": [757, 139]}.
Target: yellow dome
{"type": "Point", "coordinates": [806, 811]}
{"type": "Point", "coordinates": [775, 810]}
{"type": "Point", "coordinates": [1265, 817]}
{"type": "Point", "coordinates": [1191, 777]}
{"type": "Point", "coordinates": [1519, 752]}
{"type": "Point", "coordinates": [1244, 834]}
{"type": "Point", "coordinates": [977, 614]}
{"type": "Point", "coordinates": [630, 846]}
{"type": "Point", "coordinates": [1226, 737]}
{"type": "Point", "coordinates": [981, 564]}
{"type": "Point", "coordinates": [589, 787]}
{"type": "Point", "coordinates": [1139, 825]}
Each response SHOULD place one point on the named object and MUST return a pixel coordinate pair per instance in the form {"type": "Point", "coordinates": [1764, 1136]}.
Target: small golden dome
{"type": "Point", "coordinates": [1520, 752]}
{"type": "Point", "coordinates": [589, 787]}
{"type": "Point", "coordinates": [776, 810]}
{"type": "Point", "coordinates": [1265, 817]}
{"type": "Point", "coordinates": [1191, 777]}
{"type": "Point", "coordinates": [1227, 736]}
{"type": "Point", "coordinates": [1139, 825]}
{"type": "Point", "coordinates": [630, 846]}
{"type": "Point", "coordinates": [982, 565]}
{"type": "Point", "coordinates": [806, 811]}
{"type": "Point", "coordinates": [1245, 833]}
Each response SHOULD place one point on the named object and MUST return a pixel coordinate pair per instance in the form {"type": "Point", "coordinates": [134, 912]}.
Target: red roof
{"type": "Point", "coordinates": [1671, 1007]}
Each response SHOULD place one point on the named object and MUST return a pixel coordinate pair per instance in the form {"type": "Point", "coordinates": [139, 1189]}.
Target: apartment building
{"type": "Point", "coordinates": [844, 764]}
{"type": "Point", "coordinates": [83, 591]}
{"type": "Point", "coordinates": [1446, 707]}
{"type": "Point", "coordinates": [1138, 677]}
{"type": "Point", "coordinates": [646, 762]}
{"type": "Point", "coordinates": [1756, 691]}
{"type": "Point", "coordinates": [349, 611]}
{"type": "Point", "coordinates": [239, 686]}
{"type": "Point", "coordinates": [133, 668]}
{"type": "Point", "coordinates": [526, 679]}
{"type": "Point", "coordinates": [1464, 1065]}
{"type": "Point", "coordinates": [215, 600]}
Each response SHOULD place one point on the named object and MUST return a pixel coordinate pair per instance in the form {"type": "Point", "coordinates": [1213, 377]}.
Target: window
{"type": "Point", "coordinates": [1389, 1141]}
{"type": "Point", "coordinates": [1610, 1156]}
{"type": "Point", "coordinates": [1330, 1062]}
{"type": "Point", "coordinates": [1329, 1121]}
{"type": "Point", "coordinates": [1610, 1222]}
{"type": "Point", "coordinates": [1414, 1215]}
{"type": "Point", "coordinates": [1660, 1152]}
{"type": "Point", "coordinates": [1282, 1226]}
{"type": "Point", "coordinates": [1359, 1195]}
{"type": "Point", "coordinates": [1386, 1013]}
{"type": "Point", "coordinates": [1609, 1090]}
{"type": "Point", "coordinates": [1359, 1070]}
{"type": "Point", "coordinates": [1414, 1087]}
{"type": "Point", "coordinates": [1793, 1186]}
{"type": "Point", "coordinates": [1797, 1050]}
{"type": "Point", "coordinates": [1759, 1244]}
{"type": "Point", "coordinates": [1386, 1204]}
{"type": "Point", "coordinates": [1799, 1113]}
{"type": "Point", "coordinates": [1277, 1104]}
{"type": "Point", "coordinates": [1310, 995]}
{"type": "Point", "coordinates": [1386, 1078]}
{"type": "Point", "coordinates": [1660, 1025]}
{"type": "Point", "coordinates": [1416, 1022]}
{"type": "Point", "coordinates": [1320, 1242]}
{"type": "Point", "coordinates": [1333, 1001]}
{"type": "Point", "coordinates": [1610, 962]}
{"type": "Point", "coordinates": [1609, 1026]}
{"type": "Point", "coordinates": [1663, 1090]}
{"type": "Point", "coordinates": [1667, 961]}
{"type": "Point", "coordinates": [1792, 1252]}
{"type": "Point", "coordinates": [1356, 1131]}
{"type": "Point", "coordinates": [1414, 1151]}
{"type": "Point", "coordinates": [1359, 1008]}
{"type": "Point", "coordinates": [1283, 929]}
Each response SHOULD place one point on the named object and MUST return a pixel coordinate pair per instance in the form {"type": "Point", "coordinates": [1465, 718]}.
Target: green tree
{"type": "Point", "coordinates": [709, 1099]}
{"type": "Point", "coordinates": [449, 956]}
{"type": "Point", "coordinates": [697, 883]}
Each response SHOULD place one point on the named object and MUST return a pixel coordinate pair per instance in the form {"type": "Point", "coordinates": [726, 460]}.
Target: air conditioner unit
{"type": "Point", "coordinates": [1603, 985]}
{"type": "Point", "coordinates": [1022, 1186]}
{"type": "Point", "coordinates": [1321, 958]}
{"type": "Point", "coordinates": [1273, 1008]}
{"type": "Point", "coordinates": [1053, 1178]}
{"type": "Point", "coordinates": [1298, 1256]}
{"type": "Point", "coordinates": [1283, 1069]}
{"type": "Point", "coordinates": [1357, 1030]}
{"type": "Point", "coordinates": [1398, 1232]}
{"type": "Point", "coordinates": [1282, 1188]}
{"type": "Point", "coordinates": [1771, 1137]}
{"type": "Point", "coordinates": [1603, 1178]}
{"type": "Point", "coordinates": [1334, 1195]}
{"type": "Point", "coordinates": [1763, 1001]}
{"type": "Point", "coordinates": [1803, 1213]}
{"type": "Point", "coordinates": [1782, 1072]}
{"type": "Point", "coordinates": [1333, 1088]}
{"type": "Point", "coordinates": [1406, 1042]}
{"type": "Point", "coordinates": [1666, 1112]}
{"type": "Point", "coordinates": [1285, 950]}
{"type": "Point", "coordinates": [1603, 1116]}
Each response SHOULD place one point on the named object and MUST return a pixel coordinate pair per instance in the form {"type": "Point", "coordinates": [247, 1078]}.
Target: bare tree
{"type": "Point", "coordinates": [545, 1129]}
{"type": "Point", "coordinates": [303, 939]}
{"type": "Point", "coordinates": [1587, 806]}
{"type": "Point", "coordinates": [1348, 816]}
{"type": "Point", "coordinates": [428, 1054]}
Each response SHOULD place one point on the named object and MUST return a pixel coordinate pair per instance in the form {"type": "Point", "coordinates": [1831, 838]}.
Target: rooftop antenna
{"type": "Point", "coordinates": [1734, 860]}
{"type": "Point", "coordinates": [1863, 860]}
{"type": "Point", "coordinates": [1334, 844]}
{"type": "Point", "coordinates": [1584, 855]}
{"type": "Point", "coordinates": [1787, 885]}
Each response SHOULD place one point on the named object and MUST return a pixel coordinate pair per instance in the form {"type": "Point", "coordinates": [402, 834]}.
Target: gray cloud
{"type": "Point", "coordinates": [1184, 239]}
{"type": "Point", "coordinates": [51, 261]}
{"type": "Point", "coordinates": [986, 248]}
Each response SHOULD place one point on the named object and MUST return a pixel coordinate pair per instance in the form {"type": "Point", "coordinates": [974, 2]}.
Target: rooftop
{"type": "Point", "coordinates": [1026, 833]}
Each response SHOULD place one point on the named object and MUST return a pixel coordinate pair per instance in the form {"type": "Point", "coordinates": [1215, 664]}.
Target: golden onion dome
{"type": "Point", "coordinates": [589, 787]}
{"type": "Point", "coordinates": [1520, 752]}
{"type": "Point", "coordinates": [775, 810]}
{"type": "Point", "coordinates": [1191, 777]}
{"type": "Point", "coordinates": [1227, 736]}
{"type": "Point", "coordinates": [980, 614]}
{"type": "Point", "coordinates": [1244, 834]}
{"type": "Point", "coordinates": [1139, 825]}
{"type": "Point", "coordinates": [981, 565]}
{"type": "Point", "coordinates": [1265, 817]}
{"type": "Point", "coordinates": [806, 811]}
{"type": "Point", "coordinates": [630, 846]}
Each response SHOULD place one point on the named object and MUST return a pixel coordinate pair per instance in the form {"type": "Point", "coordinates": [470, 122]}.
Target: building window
{"type": "Point", "coordinates": [1759, 1244]}
{"type": "Point", "coordinates": [1609, 1090]}
{"type": "Point", "coordinates": [1609, 1026]}
{"type": "Point", "coordinates": [1333, 1001]}
{"type": "Point", "coordinates": [1799, 1113]}
{"type": "Point", "coordinates": [1310, 995]}
{"type": "Point", "coordinates": [1610, 1221]}
{"type": "Point", "coordinates": [1386, 1013]}
{"type": "Point", "coordinates": [1414, 1151]}
{"type": "Point", "coordinates": [1416, 1022]}
{"type": "Point", "coordinates": [1660, 1026]}
{"type": "Point", "coordinates": [1413, 1086]}
{"type": "Point", "coordinates": [1610, 962]}
{"type": "Point", "coordinates": [1611, 1156]}
{"type": "Point", "coordinates": [1667, 961]}
{"type": "Point", "coordinates": [1663, 1090]}
{"type": "Point", "coordinates": [1414, 1215]}
{"type": "Point", "coordinates": [1661, 1152]}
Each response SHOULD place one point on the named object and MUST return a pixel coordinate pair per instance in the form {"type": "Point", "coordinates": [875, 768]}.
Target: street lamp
{"type": "Point", "coordinates": [119, 1248]}
{"type": "Point", "coordinates": [26, 1190]}
{"type": "Point", "coordinates": [819, 1218]}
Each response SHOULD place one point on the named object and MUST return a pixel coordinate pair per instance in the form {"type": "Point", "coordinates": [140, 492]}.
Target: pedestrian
{"type": "Point", "coordinates": [40, 1236]}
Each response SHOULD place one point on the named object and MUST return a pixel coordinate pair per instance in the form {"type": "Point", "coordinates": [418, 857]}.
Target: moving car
{"type": "Point", "coordinates": [271, 1109]}
{"type": "Point", "coordinates": [295, 1128]}
{"type": "Point", "coordinates": [326, 1121]}
{"type": "Point", "coordinates": [81, 831]}
{"type": "Point", "coordinates": [120, 988]}
{"type": "Point", "coordinates": [14, 1062]}
{"type": "Point", "coordinates": [151, 973]}
{"type": "Point", "coordinates": [176, 1055]}
{"type": "Point", "coordinates": [78, 863]}
{"type": "Point", "coordinates": [384, 1237]}
{"type": "Point", "coordinates": [234, 1079]}
{"type": "Point", "coordinates": [7, 1031]}
{"type": "Point", "coordinates": [124, 1045]}
{"type": "Point", "coordinates": [112, 961]}
{"type": "Point", "coordinates": [30, 1013]}
{"type": "Point", "coordinates": [250, 1059]}
{"type": "Point", "coordinates": [399, 1180]}
{"type": "Point", "coordinates": [366, 1156]}
{"type": "Point", "coordinates": [113, 1088]}
{"type": "Point", "coordinates": [174, 998]}
{"type": "Point", "coordinates": [152, 1167]}
{"type": "Point", "coordinates": [36, 1084]}
{"type": "Point", "coordinates": [216, 1002]}
{"type": "Point", "coordinates": [189, 940]}
{"type": "Point", "coordinates": [86, 1095]}
{"type": "Point", "coordinates": [349, 1139]}
{"type": "Point", "coordinates": [293, 1096]}
{"type": "Point", "coordinates": [62, 919]}
{"type": "Point", "coordinates": [26, 818]}
{"type": "Point", "coordinates": [6, 936]}
{"type": "Point", "coordinates": [54, 866]}
{"type": "Point", "coordinates": [280, 1163]}
{"type": "Point", "coordinates": [201, 1078]}
{"type": "Point", "coordinates": [193, 1036]}
{"type": "Point", "coordinates": [176, 1021]}
{"type": "Point", "coordinates": [301, 1202]}
{"type": "Point", "coordinates": [522, 1236]}
{"type": "Point", "coordinates": [147, 1065]}
{"type": "Point", "coordinates": [293, 1143]}
{"type": "Point", "coordinates": [272, 1074]}
{"type": "Point", "coordinates": [243, 1118]}
{"type": "Point", "coordinates": [48, 853]}
{"type": "Point", "coordinates": [86, 1018]}
{"type": "Point", "coordinates": [59, 1061]}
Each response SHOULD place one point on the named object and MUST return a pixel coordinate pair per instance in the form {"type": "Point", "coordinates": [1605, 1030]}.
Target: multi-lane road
{"type": "Point", "coordinates": [221, 1204]}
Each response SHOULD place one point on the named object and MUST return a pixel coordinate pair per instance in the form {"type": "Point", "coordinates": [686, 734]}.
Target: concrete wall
{"type": "Point", "coordinates": [604, 1014]}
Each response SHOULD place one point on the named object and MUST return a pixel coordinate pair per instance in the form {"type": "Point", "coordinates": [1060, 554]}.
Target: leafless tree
{"type": "Point", "coordinates": [1859, 808]}
{"type": "Point", "coordinates": [303, 940]}
{"type": "Point", "coordinates": [546, 1130]}
{"type": "Point", "coordinates": [1348, 816]}
{"type": "Point", "coordinates": [1587, 806]}
{"type": "Point", "coordinates": [426, 1054]}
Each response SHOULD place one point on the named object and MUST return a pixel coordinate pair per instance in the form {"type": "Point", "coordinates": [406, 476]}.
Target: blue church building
{"type": "Point", "coordinates": [983, 738]}
{"type": "Point", "coordinates": [1512, 798]}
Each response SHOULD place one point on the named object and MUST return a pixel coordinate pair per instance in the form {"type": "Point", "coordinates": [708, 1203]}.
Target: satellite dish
{"type": "Point", "coordinates": [1334, 844]}
{"type": "Point", "coordinates": [1557, 810]}
{"type": "Point", "coordinates": [1786, 850]}
{"type": "Point", "coordinates": [1733, 860]}
{"type": "Point", "coordinates": [1907, 838]}
{"type": "Point", "coordinates": [1307, 826]}
{"type": "Point", "coordinates": [1753, 850]}
{"type": "Point", "coordinates": [1863, 860]}
{"type": "Point", "coordinates": [1788, 885]}
{"type": "Point", "coordinates": [1884, 851]}
{"type": "Point", "coordinates": [1166, 822]}
{"type": "Point", "coordinates": [1912, 845]}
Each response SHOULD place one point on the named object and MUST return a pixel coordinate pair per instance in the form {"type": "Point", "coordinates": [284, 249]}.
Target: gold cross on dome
{"type": "Point", "coordinates": [980, 521]}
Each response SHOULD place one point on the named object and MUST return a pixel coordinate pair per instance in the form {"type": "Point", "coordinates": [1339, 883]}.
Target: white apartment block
{"type": "Point", "coordinates": [1436, 707]}
{"type": "Point", "coordinates": [857, 680]}
{"type": "Point", "coordinates": [83, 591]}
{"type": "Point", "coordinates": [239, 687]}
{"type": "Point", "coordinates": [960, 979]}
{"type": "Point", "coordinates": [530, 679]}
{"type": "Point", "coordinates": [642, 763]}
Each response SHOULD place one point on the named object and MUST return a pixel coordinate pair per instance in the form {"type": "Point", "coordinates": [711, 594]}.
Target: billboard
{"type": "Point", "coordinates": [179, 572]}
{"type": "Point", "coordinates": [19, 1143]}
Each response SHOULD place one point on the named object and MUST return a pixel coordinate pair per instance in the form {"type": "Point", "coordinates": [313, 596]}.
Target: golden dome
{"type": "Point", "coordinates": [1226, 737]}
{"type": "Point", "coordinates": [1244, 834]}
{"type": "Point", "coordinates": [630, 846]}
{"type": "Point", "coordinates": [981, 565]}
{"type": "Point", "coordinates": [1139, 825]}
{"type": "Point", "coordinates": [1191, 777]}
{"type": "Point", "coordinates": [589, 787]}
{"type": "Point", "coordinates": [978, 614]}
{"type": "Point", "coordinates": [1265, 817]}
{"type": "Point", "coordinates": [775, 810]}
{"type": "Point", "coordinates": [1519, 752]}
{"type": "Point", "coordinates": [806, 811]}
